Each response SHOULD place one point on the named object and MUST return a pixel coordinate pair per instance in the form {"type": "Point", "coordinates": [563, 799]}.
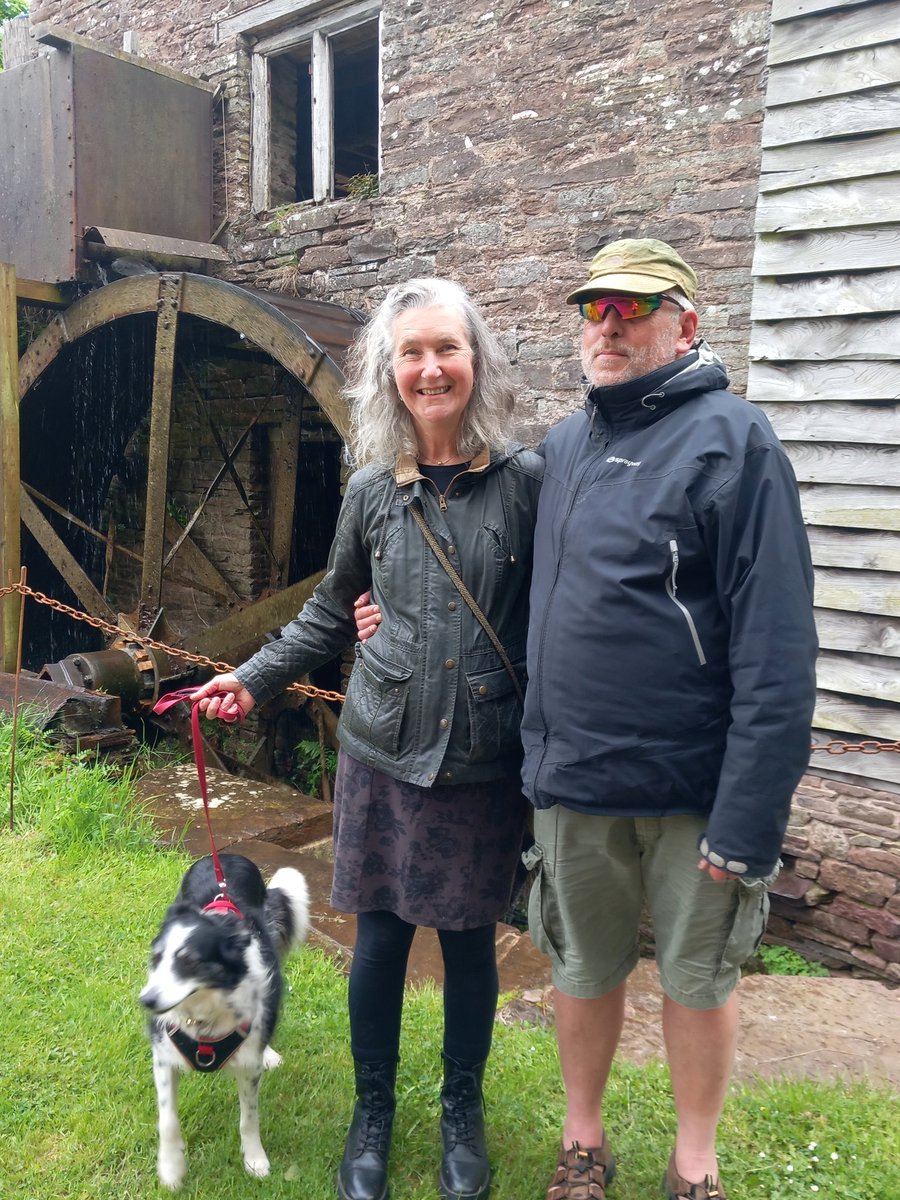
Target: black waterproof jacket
{"type": "Point", "coordinates": [429, 700]}
{"type": "Point", "coordinates": [671, 651]}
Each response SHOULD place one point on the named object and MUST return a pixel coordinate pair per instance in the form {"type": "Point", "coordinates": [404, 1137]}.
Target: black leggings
{"type": "Point", "coordinates": [378, 974]}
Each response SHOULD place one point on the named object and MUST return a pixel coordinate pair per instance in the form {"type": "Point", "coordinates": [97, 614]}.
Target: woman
{"type": "Point", "coordinates": [428, 810]}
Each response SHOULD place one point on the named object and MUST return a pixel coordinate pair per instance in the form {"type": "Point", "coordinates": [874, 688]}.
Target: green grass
{"type": "Point", "coordinates": [782, 960]}
{"type": "Point", "coordinates": [77, 1110]}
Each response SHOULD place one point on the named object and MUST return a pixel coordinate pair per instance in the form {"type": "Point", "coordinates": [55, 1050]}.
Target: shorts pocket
{"type": "Point", "coordinates": [749, 925]}
{"type": "Point", "coordinates": [376, 701]}
{"type": "Point", "coordinates": [544, 923]}
{"type": "Point", "coordinates": [495, 715]}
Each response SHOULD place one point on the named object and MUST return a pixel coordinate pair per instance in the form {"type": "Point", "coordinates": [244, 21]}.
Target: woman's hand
{"type": "Point", "coordinates": [367, 615]}
{"type": "Point", "coordinates": [224, 697]}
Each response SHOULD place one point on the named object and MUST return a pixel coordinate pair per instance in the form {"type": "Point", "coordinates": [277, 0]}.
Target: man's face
{"type": "Point", "coordinates": [615, 350]}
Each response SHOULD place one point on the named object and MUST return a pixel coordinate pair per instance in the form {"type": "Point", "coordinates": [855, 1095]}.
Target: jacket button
{"type": "Point", "coordinates": [452, 606]}
{"type": "Point", "coordinates": [448, 774]}
{"type": "Point", "coordinates": [451, 549]}
{"type": "Point", "coordinates": [450, 664]}
{"type": "Point", "coordinates": [482, 691]}
{"type": "Point", "coordinates": [444, 723]}
{"type": "Point", "coordinates": [431, 774]}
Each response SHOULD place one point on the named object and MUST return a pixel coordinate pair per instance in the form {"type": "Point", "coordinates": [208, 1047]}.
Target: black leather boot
{"type": "Point", "coordinates": [465, 1170]}
{"type": "Point", "coordinates": [362, 1174]}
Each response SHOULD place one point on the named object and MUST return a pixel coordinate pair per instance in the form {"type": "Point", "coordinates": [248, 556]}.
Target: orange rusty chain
{"type": "Point", "coordinates": [835, 746]}
{"type": "Point", "coordinates": [306, 689]}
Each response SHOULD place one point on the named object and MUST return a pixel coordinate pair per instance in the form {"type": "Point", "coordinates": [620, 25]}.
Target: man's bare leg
{"type": "Point", "coordinates": [587, 1032]}
{"type": "Point", "coordinates": [700, 1044]}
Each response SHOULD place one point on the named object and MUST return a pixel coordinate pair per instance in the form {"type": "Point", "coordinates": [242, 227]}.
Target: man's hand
{"type": "Point", "coordinates": [715, 872]}
{"type": "Point", "coordinates": [368, 616]}
{"type": "Point", "coordinates": [224, 697]}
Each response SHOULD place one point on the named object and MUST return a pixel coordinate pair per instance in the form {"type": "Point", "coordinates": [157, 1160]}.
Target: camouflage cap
{"type": "Point", "coordinates": [642, 266]}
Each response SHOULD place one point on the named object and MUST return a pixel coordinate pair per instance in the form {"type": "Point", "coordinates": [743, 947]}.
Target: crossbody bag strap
{"type": "Point", "coordinates": [419, 518]}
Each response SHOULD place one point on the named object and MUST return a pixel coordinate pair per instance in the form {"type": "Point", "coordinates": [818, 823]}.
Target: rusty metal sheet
{"type": "Point", "coordinates": [82, 711]}
{"type": "Point", "coordinates": [37, 175]}
{"type": "Point", "coordinates": [143, 149]}
{"type": "Point", "coordinates": [92, 139]}
{"type": "Point", "coordinates": [331, 326]}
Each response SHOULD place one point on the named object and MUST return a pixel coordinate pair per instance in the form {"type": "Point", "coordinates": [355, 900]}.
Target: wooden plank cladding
{"type": "Point", "coordinates": [825, 342]}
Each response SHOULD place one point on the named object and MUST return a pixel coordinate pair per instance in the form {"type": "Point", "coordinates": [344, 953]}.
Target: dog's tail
{"type": "Point", "coordinates": [287, 909]}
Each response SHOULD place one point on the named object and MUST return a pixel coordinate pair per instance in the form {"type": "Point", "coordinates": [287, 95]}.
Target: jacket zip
{"type": "Point", "coordinates": [672, 589]}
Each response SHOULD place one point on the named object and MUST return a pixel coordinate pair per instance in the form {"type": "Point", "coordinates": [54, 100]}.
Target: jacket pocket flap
{"type": "Point", "coordinates": [381, 670]}
{"type": "Point", "coordinates": [492, 685]}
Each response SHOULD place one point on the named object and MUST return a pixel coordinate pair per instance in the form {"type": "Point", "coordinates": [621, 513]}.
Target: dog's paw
{"type": "Point", "coordinates": [256, 1163]}
{"type": "Point", "coordinates": [271, 1059]}
{"type": "Point", "coordinates": [171, 1168]}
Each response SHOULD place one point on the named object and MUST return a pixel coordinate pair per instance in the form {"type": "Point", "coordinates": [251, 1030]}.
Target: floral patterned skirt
{"type": "Point", "coordinates": [442, 856]}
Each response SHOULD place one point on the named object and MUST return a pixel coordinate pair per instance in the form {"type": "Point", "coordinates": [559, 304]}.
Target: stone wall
{"type": "Point", "coordinates": [838, 898]}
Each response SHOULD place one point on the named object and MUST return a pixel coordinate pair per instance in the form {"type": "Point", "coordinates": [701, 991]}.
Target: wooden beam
{"type": "Point", "coordinates": [63, 559]}
{"type": "Point", "coordinates": [33, 292]}
{"type": "Point", "coordinates": [10, 540]}
{"type": "Point", "coordinates": [285, 451]}
{"type": "Point", "coordinates": [158, 450]}
{"type": "Point", "coordinates": [323, 117]}
{"type": "Point", "coordinates": [252, 624]}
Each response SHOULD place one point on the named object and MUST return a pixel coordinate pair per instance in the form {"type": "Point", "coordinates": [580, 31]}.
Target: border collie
{"type": "Point", "coordinates": [214, 990]}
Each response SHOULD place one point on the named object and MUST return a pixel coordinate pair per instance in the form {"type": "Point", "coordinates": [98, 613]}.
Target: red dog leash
{"type": "Point", "coordinates": [222, 902]}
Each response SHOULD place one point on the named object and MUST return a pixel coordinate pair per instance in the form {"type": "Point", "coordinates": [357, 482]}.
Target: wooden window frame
{"type": "Point", "coordinates": [274, 28]}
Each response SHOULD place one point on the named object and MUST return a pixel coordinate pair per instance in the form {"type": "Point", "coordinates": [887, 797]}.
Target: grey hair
{"type": "Point", "coordinates": [381, 427]}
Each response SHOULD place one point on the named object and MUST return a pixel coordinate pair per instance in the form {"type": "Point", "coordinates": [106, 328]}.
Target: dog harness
{"type": "Point", "coordinates": [205, 1055]}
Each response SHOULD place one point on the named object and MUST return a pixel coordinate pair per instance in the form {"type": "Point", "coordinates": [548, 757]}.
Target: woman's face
{"type": "Point", "coordinates": [433, 366]}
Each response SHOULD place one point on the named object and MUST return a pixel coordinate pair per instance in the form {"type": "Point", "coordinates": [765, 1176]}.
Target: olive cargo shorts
{"type": "Point", "coordinates": [596, 875]}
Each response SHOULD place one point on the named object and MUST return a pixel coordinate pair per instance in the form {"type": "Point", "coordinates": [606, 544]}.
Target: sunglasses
{"type": "Point", "coordinates": [628, 307]}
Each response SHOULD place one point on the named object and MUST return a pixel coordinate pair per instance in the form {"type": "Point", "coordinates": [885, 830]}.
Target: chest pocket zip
{"type": "Point", "coordinates": [672, 589]}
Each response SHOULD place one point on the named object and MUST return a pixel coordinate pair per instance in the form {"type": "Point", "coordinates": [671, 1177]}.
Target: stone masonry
{"type": "Point", "coordinates": [517, 137]}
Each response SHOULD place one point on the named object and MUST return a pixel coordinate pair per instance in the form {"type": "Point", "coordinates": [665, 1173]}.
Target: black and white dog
{"type": "Point", "coordinates": [214, 990]}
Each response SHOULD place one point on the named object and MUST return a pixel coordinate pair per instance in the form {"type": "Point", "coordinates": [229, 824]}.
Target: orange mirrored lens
{"type": "Point", "coordinates": [628, 307]}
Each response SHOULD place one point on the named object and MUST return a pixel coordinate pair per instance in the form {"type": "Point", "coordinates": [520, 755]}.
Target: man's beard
{"type": "Point", "coordinates": [641, 361]}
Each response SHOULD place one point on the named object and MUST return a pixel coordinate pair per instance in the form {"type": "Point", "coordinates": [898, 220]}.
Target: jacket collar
{"type": "Point", "coordinates": [644, 400]}
{"type": "Point", "coordinates": [406, 469]}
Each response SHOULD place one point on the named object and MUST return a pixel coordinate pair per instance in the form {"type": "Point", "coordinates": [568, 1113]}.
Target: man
{"type": "Point", "coordinates": [671, 658]}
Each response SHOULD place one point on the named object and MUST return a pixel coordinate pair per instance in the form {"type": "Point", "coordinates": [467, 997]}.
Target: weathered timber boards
{"type": "Point", "coordinates": [834, 74]}
{"type": "Point", "coordinates": [864, 720]}
{"type": "Point", "coordinates": [832, 422]}
{"type": "Point", "coordinates": [866, 25]}
{"type": "Point", "coordinates": [829, 338]}
{"type": "Point", "coordinates": [851, 507]}
{"type": "Point", "coordinates": [826, 295]}
{"type": "Point", "coordinates": [859, 675]}
{"type": "Point", "coordinates": [788, 10]}
{"type": "Point", "coordinates": [861, 112]}
{"type": "Point", "coordinates": [800, 381]}
{"type": "Point", "coordinates": [284, 444]}
{"type": "Point", "coordinates": [841, 548]}
{"type": "Point", "coordinates": [836, 462]}
{"type": "Point", "coordinates": [871, 201]}
{"type": "Point", "coordinates": [878, 769]}
{"type": "Point", "coordinates": [818, 253]}
{"type": "Point", "coordinates": [873, 592]}
{"type": "Point", "coordinates": [858, 633]}
{"type": "Point", "coordinates": [818, 162]}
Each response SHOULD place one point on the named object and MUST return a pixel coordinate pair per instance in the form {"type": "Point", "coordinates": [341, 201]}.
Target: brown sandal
{"type": "Point", "coordinates": [676, 1188]}
{"type": "Point", "coordinates": [583, 1173]}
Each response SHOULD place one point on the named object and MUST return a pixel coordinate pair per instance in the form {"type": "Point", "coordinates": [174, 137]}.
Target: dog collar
{"type": "Point", "coordinates": [204, 1054]}
{"type": "Point", "coordinates": [224, 905]}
